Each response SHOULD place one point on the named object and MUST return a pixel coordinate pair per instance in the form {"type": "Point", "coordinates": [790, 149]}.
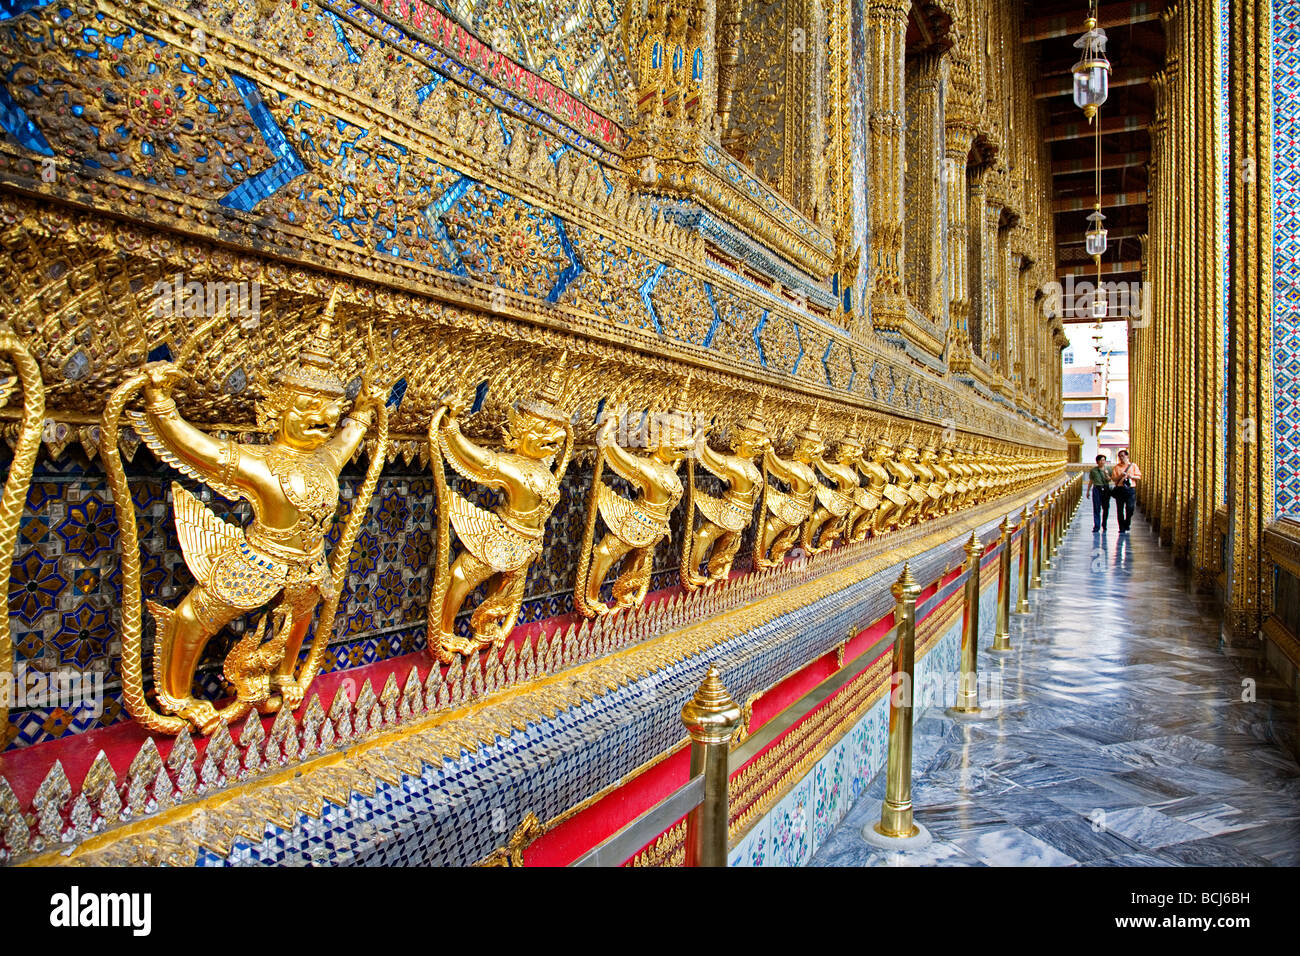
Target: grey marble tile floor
{"type": "Point", "coordinates": [1123, 740]}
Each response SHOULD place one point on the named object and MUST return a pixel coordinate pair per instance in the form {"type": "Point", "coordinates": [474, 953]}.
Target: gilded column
{"type": "Point", "coordinates": [957, 142]}
{"type": "Point", "coordinates": [1184, 316]}
{"type": "Point", "coordinates": [1160, 319]}
{"type": "Point", "coordinates": [976, 281]}
{"type": "Point", "coordinates": [1203, 408]}
{"type": "Point", "coordinates": [991, 293]}
{"type": "Point", "coordinates": [925, 144]}
{"type": "Point", "coordinates": [887, 36]}
{"type": "Point", "coordinates": [1250, 360]}
{"type": "Point", "coordinates": [805, 114]}
{"type": "Point", "coordinates": [1211, 492]}
{"type": "Point", "coordinates": [1139, 337]}
{"type": "Point", "coordinates": [1008, 272]}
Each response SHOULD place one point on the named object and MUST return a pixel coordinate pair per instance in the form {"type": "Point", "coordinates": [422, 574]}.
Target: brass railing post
{"type": "Point", "coordinates": [711, 718]}
{"type": "Point", "coordinates": [1058, 524]}
{"type": "Point", "coordinates": [896, 823]}
{"type": "Point", "coordinates": [1022, 601]}
{"type": "Point", "coordinates": [968, 695]}
{"type": "Point", "coordinates": [1037, 581]}
{"type": "Point", "coordinates": [1049, 515]}
{"type": "Point", "coordinates": [1002, 637]}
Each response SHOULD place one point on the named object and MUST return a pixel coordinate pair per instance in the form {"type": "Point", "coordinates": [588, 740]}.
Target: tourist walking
{"type": "Point", "coordinates": [1125, 475]}
{"type": "Point", "coordinates": [1099, 491]}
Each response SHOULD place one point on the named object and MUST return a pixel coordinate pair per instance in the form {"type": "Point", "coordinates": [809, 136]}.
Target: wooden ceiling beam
{"type": "Point", "coordinates": [1071, 24]}
{"type": "Point", "coordinates": [1110, 126]}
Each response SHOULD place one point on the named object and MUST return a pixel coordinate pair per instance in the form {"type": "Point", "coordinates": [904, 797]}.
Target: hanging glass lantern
{"type": "Point", "coordinates": [1094, 240]}
{"type": "Point", "coordinates": [1099, 303]}
{"type": "Point", "coordinates": [1092, 72]}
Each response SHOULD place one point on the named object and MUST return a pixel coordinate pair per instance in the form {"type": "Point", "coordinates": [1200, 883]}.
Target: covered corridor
{"type": "Point", "coordinates": [1124, 739]}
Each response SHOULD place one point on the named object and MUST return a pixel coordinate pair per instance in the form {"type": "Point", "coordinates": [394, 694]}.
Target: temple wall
{"type": "Point", "coordinates": [485, 198]}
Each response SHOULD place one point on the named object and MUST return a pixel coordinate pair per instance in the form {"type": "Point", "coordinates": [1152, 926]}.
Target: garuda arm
{"type": "Point", "coordinates": [627, 465]}
{"type": "Point", "coordinates": [353, 429]}
{"type": "Point", "coordinates": [193, 452]}
{"type": "Point", "coordinates": [468, 459]}
{"type": "Point", "coordinates": [778, 467]}
{"type": "Point", "coordinates": [715, 463]}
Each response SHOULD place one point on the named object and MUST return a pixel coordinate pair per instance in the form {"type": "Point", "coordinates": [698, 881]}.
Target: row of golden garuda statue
{"type": "Point", "coordinates": [279, 561]}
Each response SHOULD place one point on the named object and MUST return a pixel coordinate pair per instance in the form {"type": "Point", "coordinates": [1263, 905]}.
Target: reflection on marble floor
{"type": "Point", "coordinates": [1123, 739]}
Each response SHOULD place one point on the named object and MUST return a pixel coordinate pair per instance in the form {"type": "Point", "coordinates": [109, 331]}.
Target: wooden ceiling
{"type": "Point", "coordinates": [1136, 49]}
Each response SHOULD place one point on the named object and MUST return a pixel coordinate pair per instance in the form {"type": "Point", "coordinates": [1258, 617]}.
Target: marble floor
{"type": "Point", "coordinates": [1123, 739]}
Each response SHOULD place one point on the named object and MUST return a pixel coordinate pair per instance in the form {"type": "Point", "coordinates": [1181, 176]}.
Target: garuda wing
{"type": "Point", "coordinates": [204, 537]}
{"type": "Point", "coordinates": [786, 507]}
{"type": "Point", "coordinates": [156, 445]}
{"type": "Point", "coordinates": [625, 520]}
{"type": "Point", "coordinates": [866, 500]}
{"type": "Point", "coordinates": [896, 494]}
{"type": "Point", "coordinates": [722, 513]}
{"type": "Point", "coordinates": [834, 502]}
{"type": "Point", "coordinates": [487, 537]}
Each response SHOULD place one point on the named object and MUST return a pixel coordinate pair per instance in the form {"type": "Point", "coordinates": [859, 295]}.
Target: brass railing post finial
{"type": "Point", "coordinates": [968, 697]}
{"type": "Point", "coordinates": [896, 828]}
{"type": "Point", "coordinates": [1002, 637]}
{"type": "Point", "coordinates": [711, 718]}
{"type": "Point", "coordinates": [1037, 582]}
{"type": "Point", "coordinates": [1022, 601]}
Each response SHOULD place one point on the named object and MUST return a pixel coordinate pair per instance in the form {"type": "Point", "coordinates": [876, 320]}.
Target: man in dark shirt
{"type": "Point", "coordinates": [1099, 482]}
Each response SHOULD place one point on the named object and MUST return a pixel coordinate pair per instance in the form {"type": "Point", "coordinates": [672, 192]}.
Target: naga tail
{"type": "Point", "coordinates": [14, 498]}
{"type": "Point", "coordinates": [129, 541]}
{"type": "Point", "coordinates": [688, 527]}
{"type": "Point", "coordinates": [588, 538]}
{"type": "Point", "coordinates": [442, 556]}
{"type": "Point", "coordinates": [342, 554]}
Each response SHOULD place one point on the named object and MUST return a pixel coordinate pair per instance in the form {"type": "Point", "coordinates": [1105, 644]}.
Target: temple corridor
{"type": "Point", "coordinates": [1124, 739]}
{"type": "Point", "coordinates": [554, 433]}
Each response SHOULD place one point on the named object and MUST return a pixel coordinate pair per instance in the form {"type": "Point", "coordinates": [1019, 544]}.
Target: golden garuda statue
{"type": "Point", "coordinates": [836, 507]}
{"type": "Point", "coordinates": [633, 527]}
{"type": "Point", "coordinates": [292, 484]}
{"type": "Point", "coordinates": [724, 519]}
{"type": "Point", "coordinates": [987, 473]}
{"type": "Point", "coordinates": [932, 480]}
{"type": "Point", "coordinates": [784, 513]}
{"type": "Point", "coordinates": [888, 498]}
{"type": "Point", "coordinates": [906, 478]}
{"type": "Point", "coordinates": [971, 475]}
{"type": "Point", "coordinates": [501, 544]}
{"type": "Point", "coordinates": [956, 474]}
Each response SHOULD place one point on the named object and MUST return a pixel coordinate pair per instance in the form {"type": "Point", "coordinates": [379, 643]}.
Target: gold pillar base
{"type": "Point", "coordinates": [896, 821]}
{"type": "Point", "coordinates": [977, 713]}
{"type": "Point", "coordinates": [915, 838]}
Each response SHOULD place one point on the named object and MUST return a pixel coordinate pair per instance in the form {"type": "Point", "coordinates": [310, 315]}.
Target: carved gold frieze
{"type": "Point", "coordinates": [394, 735]}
